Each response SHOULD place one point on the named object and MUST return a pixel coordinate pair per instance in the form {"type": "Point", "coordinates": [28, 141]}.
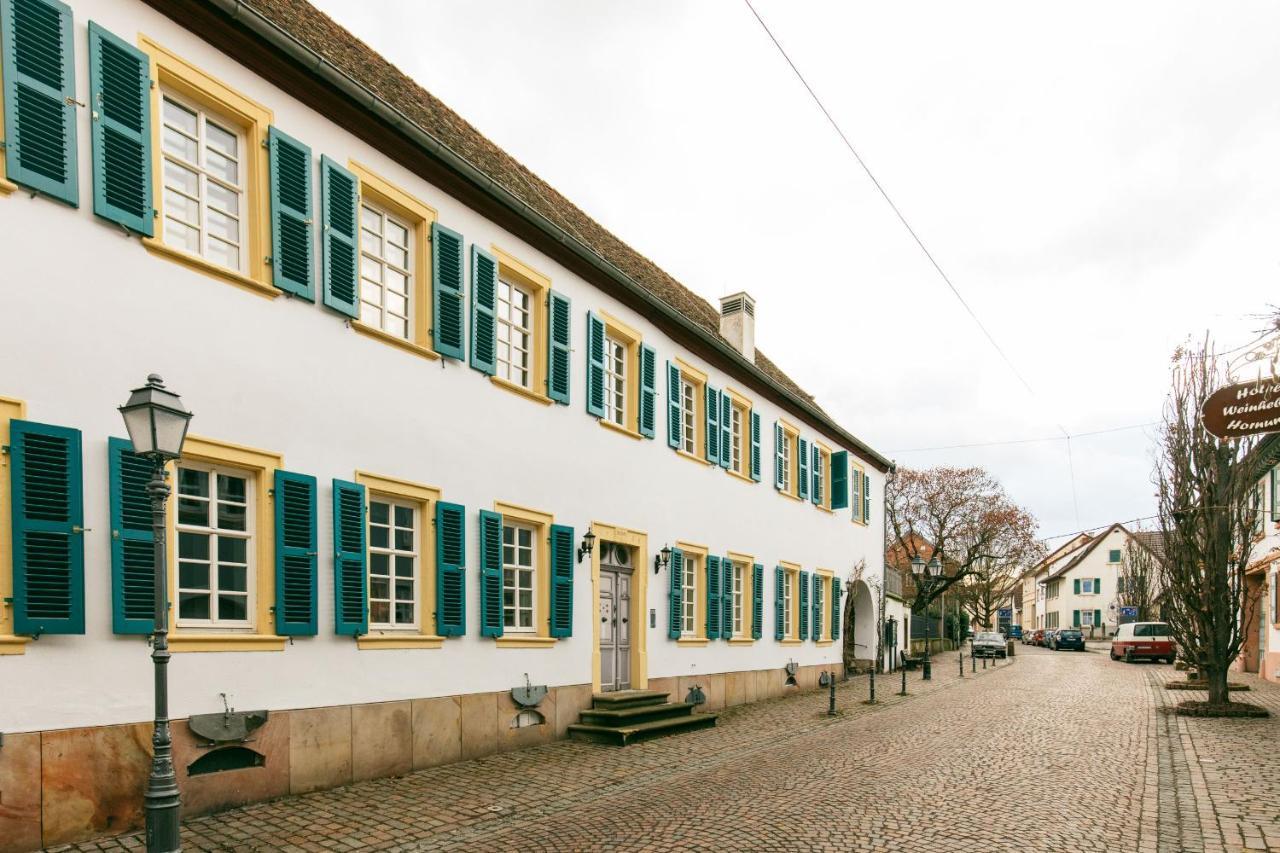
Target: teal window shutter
{"type": "Point", "coordinates": [451, 559]}
{"type": "Point", "coordinates": [802, 476]}
{"type": "Point", "coordinates": [1076, 583]}
{"type": "Point", "coordinates": [757, 601]}
{"type": "Point", "coordinates": [292, 240]}
{"type": "Point", "coordinates": [340, 212]}
{"type": "Point", "coordinates": [675, 607]}
{"type": "Point", "coordinates": [39, 97]}
{"type": "Point", "coordinates": [817, 606]}
{"type": "Point", "coordinates": [133, 558]}
{"type": "Point", "coordinates": [804, 605]}
{"type": "Point", "coordinates": [484, 311]}
{"type": "Point", "coordinates": [595, 365]}
{"type": "Point", "coordinates": [866, 498]}
{"type": "Point", "coordinates": [1075, 618]}
{"type": "Point", "coordinates": [726, 598]}
{"type": "Point", "coordinates": [779, 591]}
{"type": "Point", "coordinates": [711, 408]}
{"type": "Point", "coordinates": [840, 479]}
{"type": "Point", "coordinates": [295, 499]}
{"type": "Point", "coordinates": [715, 597]}
{"type": "Point", "coordinates": [835, 608]}
{"type": "Point", "coordinates": [755, 446]}
{"type": "Point", "coordinates": [48, 529]}
{"type": "Point", "coordinates": [559, 339]}
{"type": "Point", "coordinates": [120, 101]}
{"type": "Point", "coordinates": [1097, 618]}
{"type": "Point", "coordinates": [490, 574]}
{"type": "Point", "coordinates": [855, 495]}
{"type": "Point", "coordinates": [350, 581]}
{"type": "Point", "coordinates": [726, 428]}
{"type": "Point", "coordinates": [447, 333]}
{"type": "Point", "coordinates": [561, 581]}
{"type": "Point", "coordinates": [1097, 585]}
{"type": "Point", "coordinates": [779, 461]}
{"type": "Point", "coordinates": [648, 391]}
{"type": "Point", "coordinates": [675, 422]}
{"type": "Point", "coordinates": [815, 469]}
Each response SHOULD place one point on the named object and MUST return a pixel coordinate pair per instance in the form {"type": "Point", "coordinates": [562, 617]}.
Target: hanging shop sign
{"type": "Point", "coordinates": [1245, 408]}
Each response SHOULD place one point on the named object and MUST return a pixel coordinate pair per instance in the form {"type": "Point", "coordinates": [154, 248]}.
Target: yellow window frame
{"type": "Point", "coordinates": [631, 339]}
{"type": "Point", "coordinates": [748, 594]}
{"type": "Point", "coordinates": [743, 405]}
{"type": "Point", "coordinates": [791, 435]}
{"type": "Point", "coordinates": [541, 523]}
{"type": "Point", "coordinates": [792, 581]}
{"type": "Point", "coordinates": [6, 186]}
{"type": "Point", "coordinates": [10, 410]}
{"type": "Point", "coordinates": [825, 452]}
{"type": "Point", "coordinates": [426, 498]}
{"type": "Point", "coordinates": [170, 71]}
{"type": "Point", "coordinates": [538, 284]}
{"type": "Point", "coordinates": [699, 637]}
{"type": "Point", "coordinates": [825, 635]}
{"type": "Point", "coordinates": [698, 379]}
{"type": "Point", "coordinates": [384, 194]}
{"type": "Point", "coordinates": [262, 464]}
{"type": "Point", "coordinates": [857, 474]}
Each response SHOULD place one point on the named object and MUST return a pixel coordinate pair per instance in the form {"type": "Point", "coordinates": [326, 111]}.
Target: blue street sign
{"type": "Point", "coordinates": [1129, 612]}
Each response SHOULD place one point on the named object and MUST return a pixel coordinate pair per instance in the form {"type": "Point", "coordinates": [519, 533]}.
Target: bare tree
{"type": "Point", "coordinates": [988, 587]}
{"type": "Point", "coordinates": [1139, 579]}
{"type": "Point", "coordinates": [1206, 488]}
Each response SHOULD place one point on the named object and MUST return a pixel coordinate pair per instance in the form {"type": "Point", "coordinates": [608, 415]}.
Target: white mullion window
{"type": "Point", "coordinates": [393, 563]}
{"type": "Point", "coordinates": [386, 279]}
{"type": "Point", "coordinates": [215, 537]}
{"type": "Point", "coordinates": [787, 615]}
{"type": "Point", "coordinates": [735, 443]}
{"type": "Point", "coordinates": [689, 597]}
{"type": "Point", "coordinates": [688, 416]}
{"type": "Point", "coordinates": [515, 333]}
{"type": "Point", "coordinates": [615, 381]}
{"type": "Point", "coordinates": [203, 184]}
{"type": "Point", "coordinates": [518, 572]}
{"type": "Point", "coordinates": [786, 462]}
{"type": "Point", "coordinates": [738, 573]}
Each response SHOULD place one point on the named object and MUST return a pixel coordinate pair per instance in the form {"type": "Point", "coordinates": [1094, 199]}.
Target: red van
{"type": "Point", "coordinates": [1139, 640]}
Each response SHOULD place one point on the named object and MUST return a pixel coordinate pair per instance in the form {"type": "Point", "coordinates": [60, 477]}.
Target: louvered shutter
{"type": "Point", "coordinates": [675, 608]}
{"type": "Point", "coordinates": [648, 391]}
{"type": "Point", "coordinates": [866, 498]}
{"type": "Point", "coordinates": [561, 581]}
{"type": "Point", "coordinates": [1097, 585]}
{"type": "Point", "coordinates": [779, 593]}
{"type": "Point", "coordinates": [39, 97]}
{"type": "Point", "coordinates": [340, 202]}
{"type": "Point", "coordinates": [120, 104]}
{"type": "Point", "coordinates": [711, 407]}
{"type": "Point", "coordinates": [715, 596]}
{"type": "Point", "coordinates": [779, 461]}
{"type": "Point", "coordinates": [815, 469]}
{"type": "Point", "coordinates": [855, 494]}
{"type": "Point", "coordinates": [726, 598]}
{"type": "Point", "coordinates": [1097, 618]}
{"type": "Point", "coordinates": [802, 470]}
{"type": "Point", "coordinates": [1075, 585]}
{"type": "Point", "coordinates": [350, 582]}
{"type": "Point", "coordinates": [490, 574]}
{"type": "Point", "coordinates": [726, 428]}
{"type": "Point", "coordinates": [1075, 618]}
{"type": "Point", "coordinates": [840, 479]}
{"type": "Point", "coordinates": [295, 505]}
{"type": "Point", "coordinates": [559, 340]}
{"type": "Point", "coordinates": [451, 558]}
{"type": "Point", "coordinates": [675, 423]}
{"type": "Point", "coordinates": [293, 246]}
{"type": "Point", "coordinates": [48, 532]}
{"type": "Point", "coordinates": [755, 446]}
{"type": "Point", "coordinates": [757, 601]}
{"type": "Point", "coordinates": [447, 333]}
{"type": "Point", "coordinates": [816, 602]}
{"type": "Point", "coordinates": [484, 310]}
{"type": "Point", "coordinates": [804, 605]}
{"type": "Point", "coordinates": [595, 365]}
{"type": "Point", "coordinates": [133, 558]}
{"type": "Point", "coordinates": [835, 608]}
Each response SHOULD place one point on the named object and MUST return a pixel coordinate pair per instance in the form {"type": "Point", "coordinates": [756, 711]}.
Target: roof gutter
{"type": "Point", "coordinates": [259, 24]}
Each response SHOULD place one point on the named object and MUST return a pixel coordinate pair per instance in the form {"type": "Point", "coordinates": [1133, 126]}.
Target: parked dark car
{"type": "Point", "coordinates": [989, 644]}
{"type": "Point", "coordinates": [1068, 638]}
{"type": "Point", "coordinates": [1015, 632]}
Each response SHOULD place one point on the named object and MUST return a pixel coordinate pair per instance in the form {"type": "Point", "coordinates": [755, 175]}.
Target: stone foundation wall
{"type": "Point", "coordinates": [67, 785]}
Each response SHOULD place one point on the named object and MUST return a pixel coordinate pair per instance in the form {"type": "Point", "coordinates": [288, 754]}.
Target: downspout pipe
{"type": "Point", "coordinates": [257, 23]}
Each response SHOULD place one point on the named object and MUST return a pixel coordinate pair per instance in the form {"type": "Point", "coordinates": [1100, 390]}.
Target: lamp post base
{"type": "Point", "coordinates": [927, 666]}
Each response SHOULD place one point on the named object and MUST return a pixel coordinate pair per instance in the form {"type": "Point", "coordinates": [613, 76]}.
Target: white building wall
{"type": "Point", "coordinates": [89, 313]}
{"type": "Point", "coordinates": [1097, 565]}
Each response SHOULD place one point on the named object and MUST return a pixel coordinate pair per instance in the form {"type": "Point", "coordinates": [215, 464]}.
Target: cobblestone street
{"type": "Point", "coordinates": [1047, 752]}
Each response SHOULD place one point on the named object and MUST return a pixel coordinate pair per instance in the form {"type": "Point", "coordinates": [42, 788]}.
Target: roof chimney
{"type": "Point", "coordinates": [738, 323]}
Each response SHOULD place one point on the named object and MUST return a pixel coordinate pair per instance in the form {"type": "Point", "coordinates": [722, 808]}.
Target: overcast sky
{"type": "Point", "coordinates": [1098, 179]}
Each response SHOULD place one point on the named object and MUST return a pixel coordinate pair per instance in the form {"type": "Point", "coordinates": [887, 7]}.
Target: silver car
{"type": "Point", "coordinates": [989, 644]}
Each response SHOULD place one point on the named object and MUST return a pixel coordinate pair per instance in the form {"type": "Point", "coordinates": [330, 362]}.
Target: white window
{"type": "Point", "coordinates": [393, 562]}
{"type": "Point", "coordinates": [385, 275]}
{"type": "Point", "coordinates": [688, 411]}
{"type": "Point", "coordinates": [215, 533]}
{"type": "Point", "coordinates": [518, 572]}
{"type": "Point", "coordinates": [786, 464]}
{"type": "Point", "coordinates": [818, 591]}
{"type": "Point", "coordinates": [787, 616]}
{"type": "Point", "coordinates": [739, 571]}
{"type": "Point", "coordinates": [515, 333]}
{"type": "Point", "coordinates": [615, 381]}
{"type": "Point", "coordinates": [1086, 618]}
{"type": "Point", "coordinates": [203, 184]}
{"type": "Point", "coordinates": [689, 598]}
{"type": "Point", "coordinates": [735, 443]}
{"type": "Point", "coordinates": [1086, 586]}
{"type": "Point", "coordinates": [819, 463]}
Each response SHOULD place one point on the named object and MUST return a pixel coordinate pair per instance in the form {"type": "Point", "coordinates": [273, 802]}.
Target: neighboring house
{"type": "Point", "coordinates": [1261, 652]}
{"type": "Point", "coordinates": [1080, 582]}
{"type": "Point", "coordinates": [379, 522]}
{"type": "Point", "coordinates": [1033, 582]}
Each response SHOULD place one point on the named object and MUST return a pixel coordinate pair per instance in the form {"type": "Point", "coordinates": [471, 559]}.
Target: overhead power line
{"type": "Point", "coordinates": [1024, 440]}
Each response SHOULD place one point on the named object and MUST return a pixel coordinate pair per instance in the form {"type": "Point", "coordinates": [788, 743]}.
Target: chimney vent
{"type": "Point", "coordinates": [738, 323]}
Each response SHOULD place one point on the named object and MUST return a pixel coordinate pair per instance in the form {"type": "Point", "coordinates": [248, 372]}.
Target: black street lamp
{"type": "Point", "coordinates": [157, 424]}
{"type": "Point", "coordinates": [926, 576]}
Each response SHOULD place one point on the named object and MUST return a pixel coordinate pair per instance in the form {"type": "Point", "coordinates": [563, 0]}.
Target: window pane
{"type": "Point", "coordinates": [404, 540]}
{"type": "Point", "coordinates": [193, 575]}
{"type": "Point", "coordinates": [180, 117]}
{"type": "Point", "coordinates": [193, 546]}
{"type": "Point", "coordinates": [379, 587]}
{"type": "Point", "coordinates": [222, 167]}
{"type": "Point", "coordinates": [181, 208]}
{"type": "Point", "coordinates": [232, 517]}
{"type": "Point", "coordinates": [379, 512]}
{"type": "Point", "coordinates": [404, 612]}
{"type": "Point", "coordinates": [182, 236]}
{"type": "Point", "coordinates": [397, 326]}
{"type": "Point", "coordinates": [180, 178]}
{"type": "Point", "coordinates": [224, 199]}
{"type": "Point", "coordinates": [404, 567]}
{"type": "Point", "coordinates": [193, 606]}
{"type": "Point", "coordinates": [404, 590]}
{"type": "Point", "coordinates": [223, 253]}
{"type": "Point", "coordinates": [233, 607]}
{"type": "Point", "coordinates": [379, 612]}
{"type": "Point", "coordinates": [379, 564]}
{"type": "Point", "coordinates": [221, 139]}
{"type": "Point", "coordinates": [179, 145]}
{"type": "Point", "coordinates": [223, 226]}
{"type": "Point", "coordinates": [397, 234]}
{"type": "Point", "coordinates": [233, 579]}
{"type": "Point", "coordinates": [404, 516]}
{"type": "Point", "coordinates": [194, 512]}
{"type": "Point", "coordinates": [231, 550]}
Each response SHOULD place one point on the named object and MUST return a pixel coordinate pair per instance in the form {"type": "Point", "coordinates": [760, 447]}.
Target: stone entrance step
{"type": "Point", "coordinates": [627, 716]}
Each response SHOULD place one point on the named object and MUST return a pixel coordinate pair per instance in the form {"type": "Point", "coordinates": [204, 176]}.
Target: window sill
{"type": "Point", "coordinates": [822, 643]}
{"type": "Point", "coordinates": [743, 477]}
{"type": "Point", "coordinates": [859, 522]}
{"type": "Point", "coordinates": [791, 495]}
{"type": "Point", "coordinates": [5, 188]}
{"type": "Point", "coordinates": [692, 457]}
{"type": "Point", "coordinates": [692, 642]}
{"type": "Point", "coordinates": [157, 247]}
{"type": "Point", "coordinates": [524, 642]}
{"type": "Point", "coordinates": [790, 641]}
{"type": "Point", "coordinates": [12, 645]}
{"type": "Point", "coordinates": [226, 643]}
{"type": "Point", "coordinates": [387, 338]}
{"type": "Point", "coordinates": [520, 390]}
{"type": "Point", "coordinates": [399, 641]}
{"type": "Point", "coordinates": [630, 433]}
{"type": "Point", "coordinates": [741, 641]}
{"type": "Point", "coordinates": [828, 510]}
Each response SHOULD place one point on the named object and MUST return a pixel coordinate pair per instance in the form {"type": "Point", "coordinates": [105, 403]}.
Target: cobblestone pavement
{"type": "Point", "coordinates": [1053, 752]}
